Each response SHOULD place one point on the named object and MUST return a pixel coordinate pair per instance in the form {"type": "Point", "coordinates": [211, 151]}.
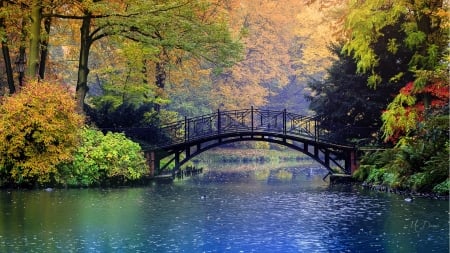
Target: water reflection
{"type": "Point", "coordinates": [267, 210]}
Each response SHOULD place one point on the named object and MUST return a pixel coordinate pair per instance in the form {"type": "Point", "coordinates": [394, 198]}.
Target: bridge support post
{"type": "Point", "coordinates": [219, 124]}
{"type": "Point", "coordinates": [353, 162]}
{"type": "Point", "coordinates": [251, 115]}
{"type": "Point", "coordinates": [152, 162]}
{"type": "Point", "coordinates": [177, 164]}
{"type": "Point", "coordinates": [316, 151]}
{"type": "Point", "coordinates": [327, 158]}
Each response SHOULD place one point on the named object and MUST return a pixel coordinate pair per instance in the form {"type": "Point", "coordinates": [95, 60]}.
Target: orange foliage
{"type": "Point", "coordinates": [39, 129]}
{"type": "Point", "coordinates": [274, 30]}
{"type": "Point", "coordinates": [407, 110]}
{"type": "Point", "coordinates": [438, 92]}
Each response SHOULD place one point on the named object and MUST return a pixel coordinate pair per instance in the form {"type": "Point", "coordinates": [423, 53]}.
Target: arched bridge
{"type": "Point", "coordinates": [178, 142]}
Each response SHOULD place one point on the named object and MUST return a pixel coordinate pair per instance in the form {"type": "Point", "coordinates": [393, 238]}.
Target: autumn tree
{"type": "Point", "coordinates": [193, 37]}
{"type": "Point", "coordinates": [35, 38]}
{"type": "Point", "coordinates": [39, 129]}
{"type": "Point", "coordinates": [425, 26]}
{"type": "Point", "coordinates": [12, 38]}
{"type": "Point", "coordinates": [5, 49]}
{"type": "Point", "coordinates": [318, 25]}
{"type": "Point", "coordinates": [24, 42]}
{"type": "Point", "coordinates": [285, 44]}
{"type": "Point", "coordinates": [267, 29]}
{"type": "Point", "coordinates": [416, 120]}
{"type": "Point", "coordinates": [174, 29]}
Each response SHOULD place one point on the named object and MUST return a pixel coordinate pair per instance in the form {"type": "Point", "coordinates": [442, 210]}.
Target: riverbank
{"type": "Point", "coordinates": [343, 179]}
{"type": "Point", "coordinates": [406, 193]}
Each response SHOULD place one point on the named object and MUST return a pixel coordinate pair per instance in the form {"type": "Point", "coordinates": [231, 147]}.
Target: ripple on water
{"type": "Point", "coordinates": [254, 216]}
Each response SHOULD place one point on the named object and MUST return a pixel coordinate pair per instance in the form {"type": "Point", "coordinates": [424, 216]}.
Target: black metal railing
{"type": "Point", "coordinates": [222, 123]}
{"type": "Point", "coordinates": [241, 121]}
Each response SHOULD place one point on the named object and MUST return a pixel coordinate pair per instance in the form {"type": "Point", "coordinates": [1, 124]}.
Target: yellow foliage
{"type": "Point", "coordinates": [38, 130]}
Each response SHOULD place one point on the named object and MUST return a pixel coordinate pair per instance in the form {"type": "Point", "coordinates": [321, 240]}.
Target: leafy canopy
{"type": "Point", "coordinates": [425, 27]}
{"type": "Point", "coordinates": [425, 24]}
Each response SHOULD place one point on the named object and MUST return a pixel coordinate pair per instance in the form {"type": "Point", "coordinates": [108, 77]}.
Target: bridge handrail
{"type": "Point", "coordinates": [252, 120]}
{"type": "Point", "coordinates": [229, 122]}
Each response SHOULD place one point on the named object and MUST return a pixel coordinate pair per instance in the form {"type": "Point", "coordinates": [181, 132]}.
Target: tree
{"type": "Point", "coordinates": [416, 120]}
{"type": "Point", "coordinates": [176, 29]}
{"type": "Point", "coordinates": [406, 111]}
{"type": "Point", "coordinates": [10, 13]}
{"type": "Point", "coordinates": [425, 26]}
{"type": "Point", "coordinates": [35, 38]}
{"type": "Point", "coordinates": [21, 34]}
{"type": "Point", "coordinates": [424, 23]}
{"type": "Point", "coordinates": [38, 130]}
{"type": "Point", "coordinates": [5, 51]}
{"type": "Point", "coordinates": [346, 104]}
{"type": "Point", "coordinates": [319, 25]}
{"type": "Point", "coordinates": [193, 36]}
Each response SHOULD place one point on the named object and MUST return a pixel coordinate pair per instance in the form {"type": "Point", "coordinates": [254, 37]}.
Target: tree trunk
{"type": "Point", "coordinates": [6, 57]}
{"type": "Point", "coordinates": [9, 71]}
{"type": "Point", "coordinates": [44, 49]}
{"type": "Point", "coordinates": [160, 82]}
{"type": "Point", "coordinates": [83, 70]}
{"type": "Point", "coordinates": [22, 50]}
{"type": "Point", "coordinates": [35, 38]}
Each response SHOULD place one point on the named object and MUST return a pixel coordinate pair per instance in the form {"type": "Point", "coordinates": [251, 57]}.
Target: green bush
{"type": "Point", "coordinates": [443, 188]}
{"type": "Point", "coordinates": [376, 176]}
{"type": "Point", "coordinates": [362, 172]}
{"type": "Point", "coordinates": [104, 159]}
{"type": "Point", "coordinates": [419, 163]}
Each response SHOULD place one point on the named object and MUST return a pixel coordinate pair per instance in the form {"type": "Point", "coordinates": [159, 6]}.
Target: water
{"type": "Point", "coordinates": [290, 210]}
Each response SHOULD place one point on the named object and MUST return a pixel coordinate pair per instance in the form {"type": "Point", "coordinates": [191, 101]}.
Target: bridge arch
{"type": "Point", "coordinates": [187, 138]}
{"type": "Point", "coordinates": [330, 156]}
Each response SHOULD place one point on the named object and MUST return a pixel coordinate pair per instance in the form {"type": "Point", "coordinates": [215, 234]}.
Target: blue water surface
{"type": "Point", "coordinates": [290, 210]}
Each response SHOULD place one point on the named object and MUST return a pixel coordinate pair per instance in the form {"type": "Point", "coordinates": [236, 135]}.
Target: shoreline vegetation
{"type": "Point", "coordinates": [260, 156]}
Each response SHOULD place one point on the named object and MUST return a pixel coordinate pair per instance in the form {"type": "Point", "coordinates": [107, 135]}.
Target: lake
{"type": "Point", "coordinates": [223, 210]}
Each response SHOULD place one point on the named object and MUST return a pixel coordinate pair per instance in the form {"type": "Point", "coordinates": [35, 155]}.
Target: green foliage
{"type": "Point", "coordinates": [345, 100]}
{"type": "Point", "coordinates": [362, 173]}
{"type": "Point", "coordinates": [376, 176]}
{"type": "Point", "coordinates": [392, 45]}
{"type": "Point", "coordinates": [399, 117]}
{"type": "Point", "coordinates": [374, 80]}
{"type": "Point", "coordinates": [127, 81]}
{"type": "Point", "coordinates": [423, 24]}
{"type": "Point", "coordinates": [443, 188]}
{"type": "Point", "coordinates": [124, 115]}
{"type": "Point", "coordinates": [420, 30]}
{"type": "Point", "coordinates": [104, 159]}
{"type": "Point", "coordinates": [415, 38]}
{"type": "Point", "coordinates": [39, 129]}
{"type": "Point", "coordinates": [366, 26]}
{"type": "Point", "coordinates": [419, 163]}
